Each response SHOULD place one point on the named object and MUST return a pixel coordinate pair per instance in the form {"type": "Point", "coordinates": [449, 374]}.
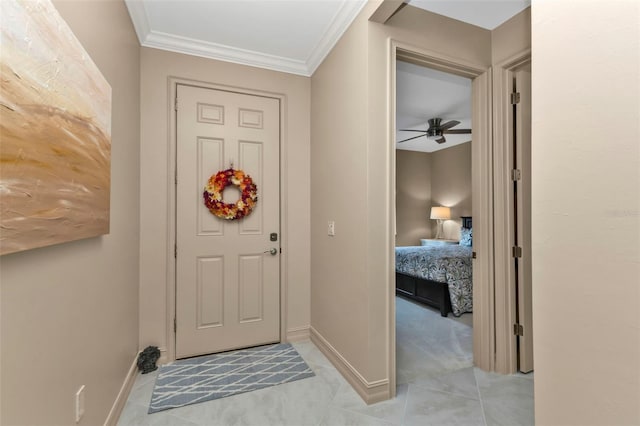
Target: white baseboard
{"type": "Point", "coordinates": [164, 357]}
{"type": "Point", "coordinates": [121, 399]}
{"type": "Point", "coordinates": [298, 334]}
{"type": "Point", "coordinates": [370, 392]}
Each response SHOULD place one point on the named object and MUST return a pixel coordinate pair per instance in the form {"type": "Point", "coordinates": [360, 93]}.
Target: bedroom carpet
{"type": "Point", "coordinates": [205, 378]}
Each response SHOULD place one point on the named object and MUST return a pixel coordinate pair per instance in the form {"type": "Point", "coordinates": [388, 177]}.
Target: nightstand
{"type": "Point", "coordinates": [434, 242]}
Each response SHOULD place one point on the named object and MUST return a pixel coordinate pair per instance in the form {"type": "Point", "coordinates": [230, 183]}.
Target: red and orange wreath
{"type": "Point", "coordinates": [213, 194]}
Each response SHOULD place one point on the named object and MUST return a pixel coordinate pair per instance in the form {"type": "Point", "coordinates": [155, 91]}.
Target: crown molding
{"type": "Point", "coordinates": [139, 18]}
{"type": "Point", "coordinates": [225, 53]}
{"type": "Point", "coordinates": [338, 26]}
{"type": "Point", "coordinates": [175, 43]}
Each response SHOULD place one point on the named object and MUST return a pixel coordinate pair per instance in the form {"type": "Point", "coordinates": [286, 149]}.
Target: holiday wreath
{"type": "Point", "coordinates": [213, 194]}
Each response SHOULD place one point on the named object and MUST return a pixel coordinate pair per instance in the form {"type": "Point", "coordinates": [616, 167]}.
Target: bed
{"type": "Point", "coordinates": [439, 276]}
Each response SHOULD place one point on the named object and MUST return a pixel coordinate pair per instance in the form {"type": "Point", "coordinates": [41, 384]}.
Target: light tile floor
{"type": "Point", "coordinates": [437, 385]}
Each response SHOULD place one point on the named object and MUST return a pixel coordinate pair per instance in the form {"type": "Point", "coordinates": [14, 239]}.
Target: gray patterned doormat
{"type": "Point", "coordinates": [204, 378]}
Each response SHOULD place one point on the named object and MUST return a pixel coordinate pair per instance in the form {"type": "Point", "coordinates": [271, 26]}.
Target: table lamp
{"type": "Point", "coordinates": [440, 214]}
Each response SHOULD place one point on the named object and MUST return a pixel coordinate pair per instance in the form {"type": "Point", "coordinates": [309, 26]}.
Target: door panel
{"type": "Point", "coordinates": [227, 287]}
{"type": "Point", "coordinates": [251, 158]}
{"type": "Point", "coordinates": [482, 210]}
{"type": "Point", "coordinates": [210, 291]}
{"type": "Point", "coordinates": [209, 149]}
{"type": "Point", "coordinates": [251, 288]}
{"type": "Point", "coordinates": [523, 162]}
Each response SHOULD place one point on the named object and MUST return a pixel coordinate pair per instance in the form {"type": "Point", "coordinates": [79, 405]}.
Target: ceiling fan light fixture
{"type": "Point", "coordinates": [436, 130]}
{"type": "Point", "coordinates": [434, 134]}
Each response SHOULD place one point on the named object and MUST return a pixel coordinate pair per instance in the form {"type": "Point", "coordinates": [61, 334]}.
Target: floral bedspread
{"type": "Point", "coordinates": [450, 264]}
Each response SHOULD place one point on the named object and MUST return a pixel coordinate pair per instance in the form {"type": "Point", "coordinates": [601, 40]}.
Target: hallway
{"type": "Point", "coordinates": [437, 385]}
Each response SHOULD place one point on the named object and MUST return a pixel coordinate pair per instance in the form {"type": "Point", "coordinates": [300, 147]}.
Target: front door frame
{"type": "Point", "coordinates": [483, 313]}
{"type": "Point", "coordinates": [171, 214]}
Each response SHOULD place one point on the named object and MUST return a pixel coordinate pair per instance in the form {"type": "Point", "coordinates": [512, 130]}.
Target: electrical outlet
{"type": "Point", "coordinates": [331, 228]}
{"type": "Point", "coordinates": [79, 404]}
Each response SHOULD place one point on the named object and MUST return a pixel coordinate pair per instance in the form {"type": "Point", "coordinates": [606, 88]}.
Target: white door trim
{"type": "Point", "coordinates": [171, 214]}
{"type": "Point", "coordinates": [484, 320]}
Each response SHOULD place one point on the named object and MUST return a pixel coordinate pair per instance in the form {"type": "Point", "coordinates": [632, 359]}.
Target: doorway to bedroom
{"type": "Point", "coordinates": [434, 302]}
{"type": "Point", "coordinates": [498, 126]}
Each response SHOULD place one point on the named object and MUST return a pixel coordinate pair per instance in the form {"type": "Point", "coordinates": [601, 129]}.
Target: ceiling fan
{"type": "Point", "coordinates": [437, 130]}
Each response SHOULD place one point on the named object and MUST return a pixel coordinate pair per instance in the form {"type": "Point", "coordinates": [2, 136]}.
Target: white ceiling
{"type": "Point", "coordinates": [487, 14]}
{"type": "Point", "coordinates": [423, 93]}
{"type": "Point", "coordinates": [294, 36]}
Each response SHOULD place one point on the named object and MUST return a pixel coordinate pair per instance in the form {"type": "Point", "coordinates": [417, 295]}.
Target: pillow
{"type": "Point", "coordinates": [466, 237]}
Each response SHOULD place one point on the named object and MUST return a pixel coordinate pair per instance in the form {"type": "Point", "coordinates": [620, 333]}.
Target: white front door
{"type": "Point", "coordinates": [227, 287]}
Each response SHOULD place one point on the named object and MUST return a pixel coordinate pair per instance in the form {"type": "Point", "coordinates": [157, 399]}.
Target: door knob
{"type": "Point", "coordinates": [273, 251]}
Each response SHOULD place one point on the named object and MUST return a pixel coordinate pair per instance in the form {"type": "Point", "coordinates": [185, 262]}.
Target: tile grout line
{"type": "Point", "coordinates": [406, 404]}
{"type": "Point", "coordinates": [459, 395]}
{"type": "Point", "coordinates": [357, 413]}
{"type": "Point", "coordinates": [484, 417]}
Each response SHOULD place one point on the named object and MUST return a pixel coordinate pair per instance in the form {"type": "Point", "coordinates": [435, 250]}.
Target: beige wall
{"type": "Point", "coordinates": [511, 37]}
{"type": "Point", "coordinates": [451, 186]}
{"type": "Point", "coordinates": [338, 193]}
{"type": "Point", "coordinates": [413, 197]}
{"type": "Point", "coordinates": [350, 273]}
{"type": "Point", "coordinates": [423, 180]}
{"type": "Point", "coordinates": [155, 257]}
{"type": "Point", "coordinates": [70, 311]}
{"type": "Point", "coordinates": [586, 212]}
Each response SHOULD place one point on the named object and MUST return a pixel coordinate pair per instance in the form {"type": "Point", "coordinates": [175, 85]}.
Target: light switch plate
{"type": "Point", "coordinates": [331, 228]}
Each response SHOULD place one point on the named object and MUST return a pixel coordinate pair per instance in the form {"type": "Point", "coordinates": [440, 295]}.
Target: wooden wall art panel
{"type": "Point", "coordinates": [55, 132]}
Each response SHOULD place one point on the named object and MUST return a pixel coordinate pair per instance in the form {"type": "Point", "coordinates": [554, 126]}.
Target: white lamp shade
{"type": "Point", "coordinates": [440, 213]}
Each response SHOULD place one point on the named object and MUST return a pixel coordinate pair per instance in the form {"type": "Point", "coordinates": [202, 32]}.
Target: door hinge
{"type": "Point", "coordinates": [516, 174]}
{"type": "Point", "coordinates": [516, 251]}
{"type": "Point", "coordinates": [175, 325]}
{"type": "Point", "coordinates": [515, 98]}
{"type": "Point", "coordinates": [518, 330]}
{"type": "Point", "coordinates": [175, 250]}
{"type": "Point", "coordinates": [175, 103]}
{"type": "Point", "coordinates": [175, 177]}
{"type": "Point", "coordinates": [473, 255]}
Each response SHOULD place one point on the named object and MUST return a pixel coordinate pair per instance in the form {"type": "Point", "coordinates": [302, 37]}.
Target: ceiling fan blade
{"type": "Point", "coordinates": [441, 140]}
{"type": "Point", "coordinates": [449, 124]}
{"type": "Point", "coordinates": [412, 130]}
{"type": "Point", "coordinates": [415, 137]}
{"type": "Point", "coordinates": [457, 131]}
